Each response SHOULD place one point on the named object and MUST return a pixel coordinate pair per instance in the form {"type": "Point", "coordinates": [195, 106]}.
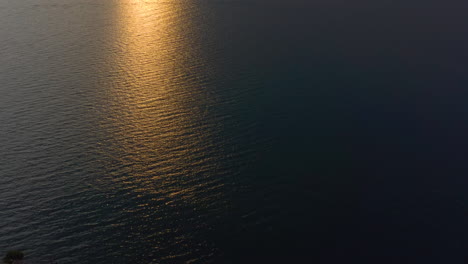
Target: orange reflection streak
{"type": "Point", "coordinates": [157, 137]}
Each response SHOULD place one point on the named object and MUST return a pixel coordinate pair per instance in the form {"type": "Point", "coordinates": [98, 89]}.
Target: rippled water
{"type": "Point", "coordinates": [163, 131]}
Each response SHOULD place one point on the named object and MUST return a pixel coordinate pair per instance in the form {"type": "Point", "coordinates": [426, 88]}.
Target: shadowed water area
{"type": "Point", "coordinates": [184, 131]}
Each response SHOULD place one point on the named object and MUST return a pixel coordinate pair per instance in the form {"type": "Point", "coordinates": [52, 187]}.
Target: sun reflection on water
{"type": "Point", "coordinates": [162, 162]}
{"type": "Point", "coordinates": [159, 137]}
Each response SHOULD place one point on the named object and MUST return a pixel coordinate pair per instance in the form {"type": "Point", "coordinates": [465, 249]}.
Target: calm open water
{"type": "Point", "coordinates": [243, 131]}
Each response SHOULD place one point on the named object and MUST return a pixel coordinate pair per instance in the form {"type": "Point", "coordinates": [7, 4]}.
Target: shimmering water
{"type": "Point", "coordinates": [165, 131]}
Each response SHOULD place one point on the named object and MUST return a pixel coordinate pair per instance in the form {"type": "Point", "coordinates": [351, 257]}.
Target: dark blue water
{"type": "Point", "coordinates": [164, 131]}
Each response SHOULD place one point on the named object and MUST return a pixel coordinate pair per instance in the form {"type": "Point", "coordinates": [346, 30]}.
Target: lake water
{"type": "Point", "coordinates": [234, 131]}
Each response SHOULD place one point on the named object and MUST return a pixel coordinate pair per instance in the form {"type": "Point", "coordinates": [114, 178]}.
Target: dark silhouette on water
{"type": "Point", "coordinates": [13, 257]}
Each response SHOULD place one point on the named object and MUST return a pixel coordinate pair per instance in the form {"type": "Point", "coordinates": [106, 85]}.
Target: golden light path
{"type": "Point", "coordinates": [159, 140]}
{"type": "Point", "coordinates": [160, 160]}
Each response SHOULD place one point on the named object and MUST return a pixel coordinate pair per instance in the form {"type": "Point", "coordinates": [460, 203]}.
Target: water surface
{"type": "Point", "coordinates": [165, 131]}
